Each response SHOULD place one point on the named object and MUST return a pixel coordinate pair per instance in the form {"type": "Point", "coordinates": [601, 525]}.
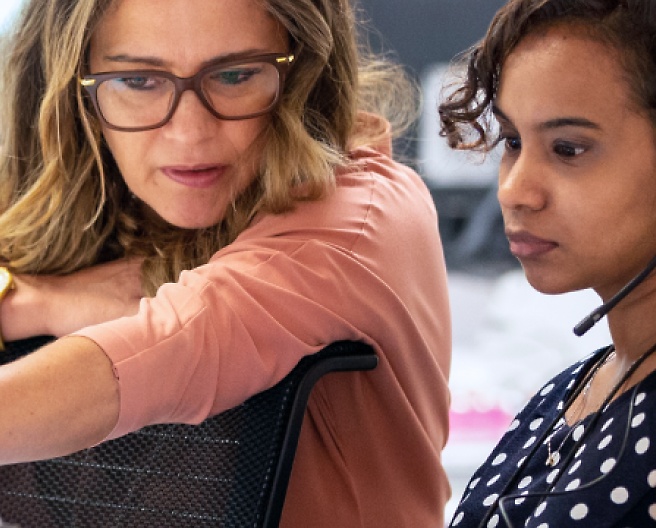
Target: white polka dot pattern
{"type": "Point", "coordinates": [604, 472]}
{"type": "Point", "coordinates": [579, 512]}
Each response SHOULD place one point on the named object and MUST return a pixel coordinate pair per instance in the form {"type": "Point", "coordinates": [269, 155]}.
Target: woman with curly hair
{"type": "Point", "coordinates": [568, 90]}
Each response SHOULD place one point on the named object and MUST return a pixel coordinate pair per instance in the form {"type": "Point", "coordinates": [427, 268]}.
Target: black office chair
{"type": "Point", "coordinates": [230, 471]}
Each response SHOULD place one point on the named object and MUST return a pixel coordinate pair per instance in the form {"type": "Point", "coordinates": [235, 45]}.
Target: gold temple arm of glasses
{"type": "Point", "coordinates": [288, 59]}
{"type": "Point", "coordinates": [87, 82]}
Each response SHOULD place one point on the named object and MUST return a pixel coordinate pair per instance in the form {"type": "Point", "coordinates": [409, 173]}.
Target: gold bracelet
{"type": "Point", "coordinates": [6, 284]}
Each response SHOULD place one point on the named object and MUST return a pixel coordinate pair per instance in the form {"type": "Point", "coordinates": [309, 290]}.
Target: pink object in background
{"type": "Point", "coordinates": [478, 425]}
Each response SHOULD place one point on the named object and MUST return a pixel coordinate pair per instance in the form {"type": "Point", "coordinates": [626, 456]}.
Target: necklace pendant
{"type": "Point", "coordinates": [552, 460]}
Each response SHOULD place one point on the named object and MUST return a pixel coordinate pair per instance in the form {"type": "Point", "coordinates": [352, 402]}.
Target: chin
{"type": "Point", "coordinates": [191, 222]}
{"type": "Point", "coordinates": [193, 225]}
{"type": "Point", "coordinates": [548, 285]}
{"type": "Point", "coordinates": [176, 216]}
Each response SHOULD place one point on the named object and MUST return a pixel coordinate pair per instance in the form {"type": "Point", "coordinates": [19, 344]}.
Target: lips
{"type": "Point", "coordinates": [526, 245]}
{"type": "Point", "coordinates": [195, 176]}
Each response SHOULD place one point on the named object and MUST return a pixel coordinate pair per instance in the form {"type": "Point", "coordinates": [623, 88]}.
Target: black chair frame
{"type": "Point", "coordinates": [230, 471]}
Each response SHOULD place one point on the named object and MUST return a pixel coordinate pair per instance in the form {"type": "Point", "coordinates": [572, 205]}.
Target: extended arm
{"type": "Point", "coordinates": [58, 305]}
{"type": "Point", "coordinates": [57, 400]}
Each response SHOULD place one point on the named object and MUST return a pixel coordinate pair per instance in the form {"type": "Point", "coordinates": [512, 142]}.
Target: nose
{"type": "Point", "coordinates": [521, 183]}
{"type": "Point", "coordinates": [191, 120]}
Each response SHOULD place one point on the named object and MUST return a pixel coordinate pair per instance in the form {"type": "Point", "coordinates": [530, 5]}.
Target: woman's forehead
{"type": "Point", "coordinates": [556, 73]}
{"type": "Point", "coordinates": [182, 32]}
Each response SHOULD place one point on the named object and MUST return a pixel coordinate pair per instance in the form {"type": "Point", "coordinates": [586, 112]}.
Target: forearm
{"type": "Point", "coordinates": [57, 400]}
{"type": "Point", "coordinates": [24, 312]}
{"type": "Point", "coordinates": [58, 305]}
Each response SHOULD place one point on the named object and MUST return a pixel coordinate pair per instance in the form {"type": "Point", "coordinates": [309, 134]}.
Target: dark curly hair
{"type": "Point", "coordinates": [629, 26]}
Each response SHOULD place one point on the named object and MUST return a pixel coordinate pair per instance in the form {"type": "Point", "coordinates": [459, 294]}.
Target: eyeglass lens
{"type": "Point", "coordinates": [142, 99]}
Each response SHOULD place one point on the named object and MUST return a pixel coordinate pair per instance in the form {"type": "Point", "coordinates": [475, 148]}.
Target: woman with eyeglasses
{"type": "Point", "coordinates": [194, 195]}
{"type": "Point", "coordinates": [568, 90]}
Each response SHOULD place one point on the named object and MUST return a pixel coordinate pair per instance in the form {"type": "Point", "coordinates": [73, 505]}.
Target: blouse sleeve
{"type": "Point", "coordinates": [357, 265]}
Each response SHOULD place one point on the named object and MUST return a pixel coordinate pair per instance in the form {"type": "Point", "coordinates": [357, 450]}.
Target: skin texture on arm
{"type": "Point", "coordinates": [60, 399]}
{"type": "Point", "coordinates": [58, 305]}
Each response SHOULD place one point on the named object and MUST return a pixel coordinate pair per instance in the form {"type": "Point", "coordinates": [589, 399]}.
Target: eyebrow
{"type": "Point", "coordinates": [551, 124]}
{"type": "Point", "coordinates": [161, 63]}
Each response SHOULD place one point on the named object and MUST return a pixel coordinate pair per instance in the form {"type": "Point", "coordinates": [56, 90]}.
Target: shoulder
{"type": "Point", "coordinates": [550, 398]}
{"type": "Point", "coordinates": [376, 200]}
{"type": "Point", "coordinates": [537, 414]}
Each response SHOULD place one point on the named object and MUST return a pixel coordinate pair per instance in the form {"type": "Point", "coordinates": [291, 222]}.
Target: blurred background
{"type": "Point", "coordinates": [508, 339]}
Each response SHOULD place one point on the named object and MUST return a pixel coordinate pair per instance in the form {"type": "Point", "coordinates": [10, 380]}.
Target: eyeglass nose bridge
{"type": "Point", "coordinates": [184, 84]}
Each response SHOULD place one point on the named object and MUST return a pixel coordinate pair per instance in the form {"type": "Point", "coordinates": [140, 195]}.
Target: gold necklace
{"type": "Point", "coordinates": [553, 457]}
{"type": "Point", "coordinates": [504, 495]}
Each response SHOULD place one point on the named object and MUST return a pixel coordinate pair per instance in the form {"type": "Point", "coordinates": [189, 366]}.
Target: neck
{"type": "Point", "coordinates": [631, 325]}
{"type": "Point", "coordinates": [632, 322]}
{"type": "Point", "coordinates": [633, 331]}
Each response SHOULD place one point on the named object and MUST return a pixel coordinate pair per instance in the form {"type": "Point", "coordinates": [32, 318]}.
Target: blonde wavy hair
{"type": "Point", "coordinates": [63, 203]}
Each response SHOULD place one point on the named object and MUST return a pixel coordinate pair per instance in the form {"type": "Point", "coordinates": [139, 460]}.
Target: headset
{"type": "Point", "coordinates": [596, 315]}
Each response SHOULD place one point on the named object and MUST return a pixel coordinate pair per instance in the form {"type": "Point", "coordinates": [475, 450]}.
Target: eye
{"type": "Point", "coordinates": [565, 149]}
{"type": "Point", "coordinates": [234, 76]}
{"type": "Point", "coordinates": [137, 82]}
{"type": "Point", "coordinates": [512, 143]}
{"type": "Point", "coordinates": [509, 136]}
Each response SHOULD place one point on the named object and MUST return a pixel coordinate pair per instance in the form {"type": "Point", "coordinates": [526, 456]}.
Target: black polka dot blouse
{"type": "Point", "coordinates": [602, 473]}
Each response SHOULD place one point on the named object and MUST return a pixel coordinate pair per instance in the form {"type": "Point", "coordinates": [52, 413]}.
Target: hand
{"type": "Point", "coordinates": [60, 304]}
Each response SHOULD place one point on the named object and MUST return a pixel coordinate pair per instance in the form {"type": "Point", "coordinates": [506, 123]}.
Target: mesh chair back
{"type": "Point", "coordinates": [230, 471]}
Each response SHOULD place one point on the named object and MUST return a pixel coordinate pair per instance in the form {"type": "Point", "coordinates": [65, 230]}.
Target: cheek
{"type": "Point", "coordinates": [121, 145]}
{"type": "Point", "coordinates": [130, 151]}
{"type": "Point", "coordinates": [244, 134]}
{"type": "Point", "coordinates": [247, 140]}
